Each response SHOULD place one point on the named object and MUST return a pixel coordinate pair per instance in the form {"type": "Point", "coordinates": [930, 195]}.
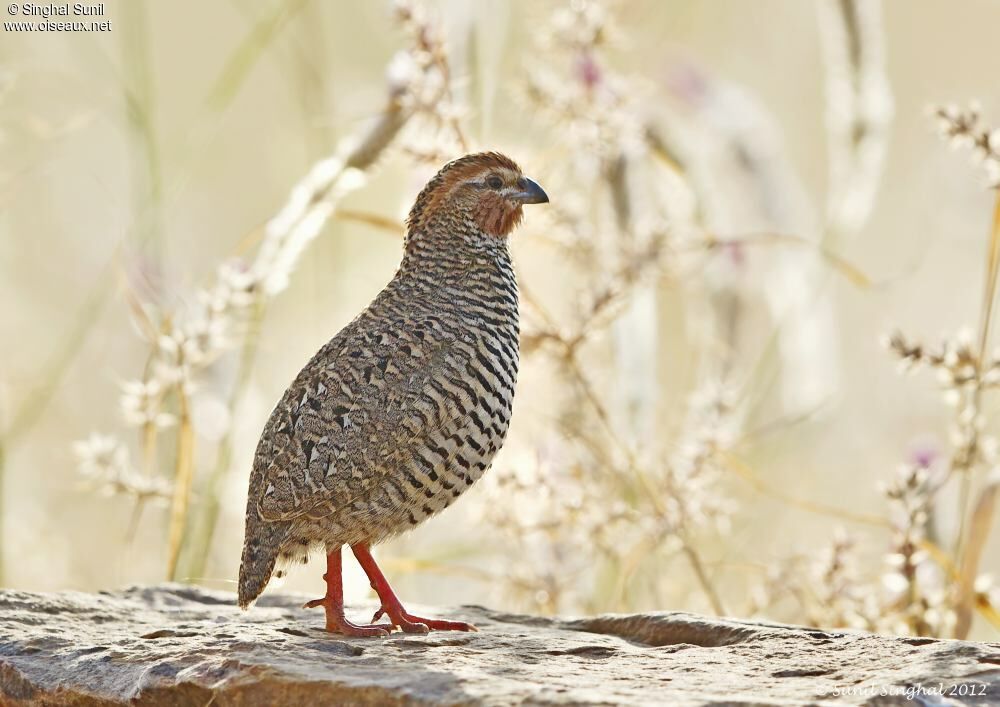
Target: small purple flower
{"type": "Point", "coordinates": [587, 70]}
{"type": "Point", "coordinates": [737, 254]}
{"type": "Point", "coordinates": [688, 83]}
{"type": "Point", "coordinates": [923, 454]}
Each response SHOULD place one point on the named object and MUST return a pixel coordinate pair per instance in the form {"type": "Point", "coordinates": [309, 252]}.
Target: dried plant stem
{"type": "Point", "coordinates": [627, 566]}
{"type": "Point", "coordinates": [745, 472]}
{"type": "Point", "coordinates": [990, 284]}
{"type": "Point", "coordinates": [25, 417]}
{"type": "Point", "coordinates": [975, 542]}
{"type": "Point", "coordinates": [974, 526]}
{"type": "Point", "coordinates": [307, 66]}
{"type": "Point", "coordinates": [586, 388]}
{"type": "Point", "coordinates": [150, 435]}
{"type": "Point", "coordinates": [139, 101]}
{"type": "Point", "coordinates": [410, 565]}
{"type": "Point", "coordinates": [134, 518]}
{"type": "Point", "coordinates": [944, 560]}
{"type": "Point", "coordinates": [261, 36]}
{"type": "Point", "coordinates": [850, 271]}
{"type": "Point", "coordinates": [52, 374]}
{"type": "Point", "coordinates": [362, 157]}
{"type": "Point", "coordinates": [183, 475]}
{"type": "Point", "coordinates": [3, 467]}
{"type": "Point", "coordinates": [958, 550]}
{"type": "Point", "coordinates": [988, 611]}
{"type": "Point", "coordinates": [859, 110]}
{"type": "Point", "coordinates": [201, 540]}
{"type": "Point", "coordinates": [186, 341]}
{"type": "Point", "coordinates": [699, 572]}
{"type": "Point", "coordinates": [381, 222]}
{"type": "Point", "coordinates": [441, 60]}
{"type": "Point", "coordinates": [593, 399]}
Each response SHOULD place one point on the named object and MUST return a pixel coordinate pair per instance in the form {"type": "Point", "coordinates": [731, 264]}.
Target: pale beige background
{"type": "Point", "coordinates": [69, 162]}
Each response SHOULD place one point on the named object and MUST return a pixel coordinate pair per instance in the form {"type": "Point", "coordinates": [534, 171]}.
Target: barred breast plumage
{"type": "Point", "coordinates": [404, 409]}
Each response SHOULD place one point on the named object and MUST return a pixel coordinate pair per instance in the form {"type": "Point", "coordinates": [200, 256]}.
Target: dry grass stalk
{"type": "Point", "coordinates": [597, 486]}
{"type": "Point", "coordinates": [186, 341]}
{"type": "Point", "coordinates": [858, 108]}
{"type": "Point", "coordinates": [605, 486]}
{"type": "Point", "coordinates": [182, 480]}
{"type": "Point", "coordinates": [967, 371]}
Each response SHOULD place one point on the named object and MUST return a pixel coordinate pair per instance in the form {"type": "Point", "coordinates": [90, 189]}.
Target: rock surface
{"type": "Point", "coordinates": [176, 645]}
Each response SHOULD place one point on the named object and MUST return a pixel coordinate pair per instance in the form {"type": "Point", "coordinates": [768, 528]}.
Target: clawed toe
{"type": "Point", "coordinates": [441, 625]}
{"type": "Point", "coordinates": [346, 628]}
{"type": "Point", "coordinates": [407, 626]}
{"type": "Point", "coordinates": [403, 623]}
{"type": "Point", "coordinates": [407, 623]}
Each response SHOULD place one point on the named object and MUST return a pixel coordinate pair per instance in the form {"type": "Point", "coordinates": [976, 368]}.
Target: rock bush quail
{"type": "Point", "coordinates": [405, 408]}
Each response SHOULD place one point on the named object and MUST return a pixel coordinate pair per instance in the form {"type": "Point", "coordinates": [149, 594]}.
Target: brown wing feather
{"type": "Point", "coordinates": [335, 430]}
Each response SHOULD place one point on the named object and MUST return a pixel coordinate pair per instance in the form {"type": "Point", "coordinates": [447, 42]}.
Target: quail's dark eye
{"type": "Point", "coordinates": [494, 182]}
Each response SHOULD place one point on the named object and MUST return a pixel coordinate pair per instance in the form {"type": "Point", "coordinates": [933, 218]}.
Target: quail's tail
{"type": "Point", "coordinates": [260, 551]}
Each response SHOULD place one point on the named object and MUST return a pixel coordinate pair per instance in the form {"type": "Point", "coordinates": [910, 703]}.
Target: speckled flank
{"type": "Point", "coordinates": [405, 408]}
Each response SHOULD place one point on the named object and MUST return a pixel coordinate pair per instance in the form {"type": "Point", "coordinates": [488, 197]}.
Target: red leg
{"type": "Point", "coordinates": [392, 607]}
{"type": "Point", "coordinates": [333, 603]}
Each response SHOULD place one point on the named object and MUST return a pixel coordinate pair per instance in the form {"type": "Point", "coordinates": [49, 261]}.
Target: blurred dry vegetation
{"type": "Point", "coordinates": [757, 224]}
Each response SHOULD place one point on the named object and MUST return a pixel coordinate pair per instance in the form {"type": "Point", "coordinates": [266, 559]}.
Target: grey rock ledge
{"type": "Point", "coordinates": [179, 645]}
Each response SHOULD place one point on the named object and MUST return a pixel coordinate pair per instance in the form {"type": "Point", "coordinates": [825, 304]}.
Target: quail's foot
{"type": "Point", "coordinates": [408, 623]}
{"type": "Point", "coordinates": [392, 607]}
{"type": "Point", "coordinates": [333, 603]}
{"type": "Point", "coordinates": [336, 622]}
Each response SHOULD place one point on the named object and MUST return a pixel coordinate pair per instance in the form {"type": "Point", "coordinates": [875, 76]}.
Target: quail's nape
{"type": "Point", "coordinates": [404, 409]}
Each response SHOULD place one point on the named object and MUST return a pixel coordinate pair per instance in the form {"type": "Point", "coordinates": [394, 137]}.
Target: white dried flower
{"type": "Point", "coordinates": [100, 456]}
{"type": "Point", "coordinates": [234, 288]}
{"type": "Point", "coordinates": [104, 461]}
{"type": "Point", "coordinates": [984, 584]}
{"type": "Point", "coordinates": [402, 72]}
{"type": "Point", "coordinates": [895, 585]}
{"type": "Point", "coordinates": [211, 417]}
{"type": "Point", "coordinates": [142, 402]}
{"type": "Point", "coordinates": [966, 130]}
{"type": "Point", "coordinates": [300, 221]}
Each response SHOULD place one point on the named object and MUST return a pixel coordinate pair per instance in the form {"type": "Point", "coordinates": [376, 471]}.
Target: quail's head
{"type": "Point", "coordinates": [484, 190]}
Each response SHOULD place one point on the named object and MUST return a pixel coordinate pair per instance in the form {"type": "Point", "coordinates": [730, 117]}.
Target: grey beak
{"type": "Point", "coordinates": [530, 192]}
